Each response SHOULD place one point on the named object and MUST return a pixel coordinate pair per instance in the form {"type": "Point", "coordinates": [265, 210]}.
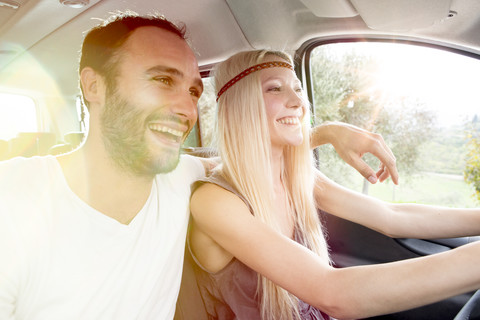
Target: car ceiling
{"type": "Point", "coordinates": [48, 34]}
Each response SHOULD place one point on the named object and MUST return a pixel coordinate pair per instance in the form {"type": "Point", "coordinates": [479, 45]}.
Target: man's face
{"type": "Point", "coordinates": [152, 105]}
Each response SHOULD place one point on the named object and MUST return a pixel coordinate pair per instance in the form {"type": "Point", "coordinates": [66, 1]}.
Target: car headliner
{"type": "Point", "coordinates": [49, 33]}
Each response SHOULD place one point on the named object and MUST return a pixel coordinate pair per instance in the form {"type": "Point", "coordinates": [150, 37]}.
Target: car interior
{"type": "Point", "coordinates": [352, 57]}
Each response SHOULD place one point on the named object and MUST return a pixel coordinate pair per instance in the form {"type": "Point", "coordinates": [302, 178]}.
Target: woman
{"type": "Point", "coordinates": [256, 217]}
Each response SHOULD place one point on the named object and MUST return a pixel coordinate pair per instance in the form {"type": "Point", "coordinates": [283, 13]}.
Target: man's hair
{"type": "Point", "coordinates": [100, 49]}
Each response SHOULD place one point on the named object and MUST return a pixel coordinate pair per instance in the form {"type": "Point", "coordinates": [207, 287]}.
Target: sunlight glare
{"type": "Point", "coordinates": [17, 114]}
{"type": "Point", "coordinates": [442, 80]}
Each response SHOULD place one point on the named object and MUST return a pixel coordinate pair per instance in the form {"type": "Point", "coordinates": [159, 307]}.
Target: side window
{"type": "Point", "coordinates": [422, 100]}
{"type": "Point", "coordinates": [207, 108]}
{"type": "Point", "coordinates": [18, 117]}
{"type": "Point", "coordinates": [17, 114]}
{"type": "Point", "coordinates": [203, 133]}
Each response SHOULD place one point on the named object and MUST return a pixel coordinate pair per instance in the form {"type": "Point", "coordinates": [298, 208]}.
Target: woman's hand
{"type": "Point", "coordinates": [351, 143]}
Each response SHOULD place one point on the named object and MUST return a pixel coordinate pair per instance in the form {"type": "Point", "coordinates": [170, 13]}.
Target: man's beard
{"type": "Point", "coordinates": [123, 133]}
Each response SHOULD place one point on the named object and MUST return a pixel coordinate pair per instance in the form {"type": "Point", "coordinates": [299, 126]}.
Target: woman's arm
{"type": "Point", "coordinates": [351, 143]}
{"type": "Point", "coordinates": [395, 220]}
{"type": "Point", "coordinates": [354, 292]}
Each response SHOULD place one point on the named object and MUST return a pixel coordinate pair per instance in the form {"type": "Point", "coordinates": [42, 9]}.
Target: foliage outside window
{"type": "Point", "coordinates": [472, 168]}
{"type": "Point", "coordinates": [422, 100]}
{"type": "Point", "coordinates": [207, 113]}
{"type": "Point", "coordinates": [205, 127]}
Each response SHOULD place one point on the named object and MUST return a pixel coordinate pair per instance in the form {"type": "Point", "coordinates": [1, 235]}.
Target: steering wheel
{"type": "Point", "coordinates": [466, 311]}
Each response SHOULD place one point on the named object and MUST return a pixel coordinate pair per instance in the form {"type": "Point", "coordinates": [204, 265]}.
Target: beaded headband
{"type": "Point", "coordinates": [246, 72]}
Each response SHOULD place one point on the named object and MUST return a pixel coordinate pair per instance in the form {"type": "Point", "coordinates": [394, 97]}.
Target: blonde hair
{"type": "Point", "coordinates": [244, 146]}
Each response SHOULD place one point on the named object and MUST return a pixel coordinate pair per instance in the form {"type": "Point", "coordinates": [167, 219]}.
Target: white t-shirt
{"type": "Point", "coordinates": [62, 259]}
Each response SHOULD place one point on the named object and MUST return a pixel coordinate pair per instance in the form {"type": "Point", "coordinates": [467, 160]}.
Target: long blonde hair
{"type": "Point", "coordinates": [244, 146]}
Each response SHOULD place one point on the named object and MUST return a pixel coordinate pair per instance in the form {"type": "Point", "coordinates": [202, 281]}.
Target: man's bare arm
{"type": "Point", "coordinates": [351, 143]}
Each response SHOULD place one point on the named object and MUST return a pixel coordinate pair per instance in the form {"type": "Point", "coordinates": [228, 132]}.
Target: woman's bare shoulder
{"type": "Point", "coordinates": [211, 197]}
{"type": "Point", "coordinates": [209, 203]}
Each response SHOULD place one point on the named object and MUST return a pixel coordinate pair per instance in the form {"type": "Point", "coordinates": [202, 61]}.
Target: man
{"type": "Point", "coordinates": [99, 233]}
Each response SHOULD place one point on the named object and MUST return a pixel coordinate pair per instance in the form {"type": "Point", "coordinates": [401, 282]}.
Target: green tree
{"type": "Point", "coordinates": [207, 113]}
{"type": "Point", "coordinates": [344, 90]}
{"type": "Point", "coordinates": [472, 164]}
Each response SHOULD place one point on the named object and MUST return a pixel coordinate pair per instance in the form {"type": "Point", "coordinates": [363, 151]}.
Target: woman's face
{"type": "Point", "coordinates": [282, 94]}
